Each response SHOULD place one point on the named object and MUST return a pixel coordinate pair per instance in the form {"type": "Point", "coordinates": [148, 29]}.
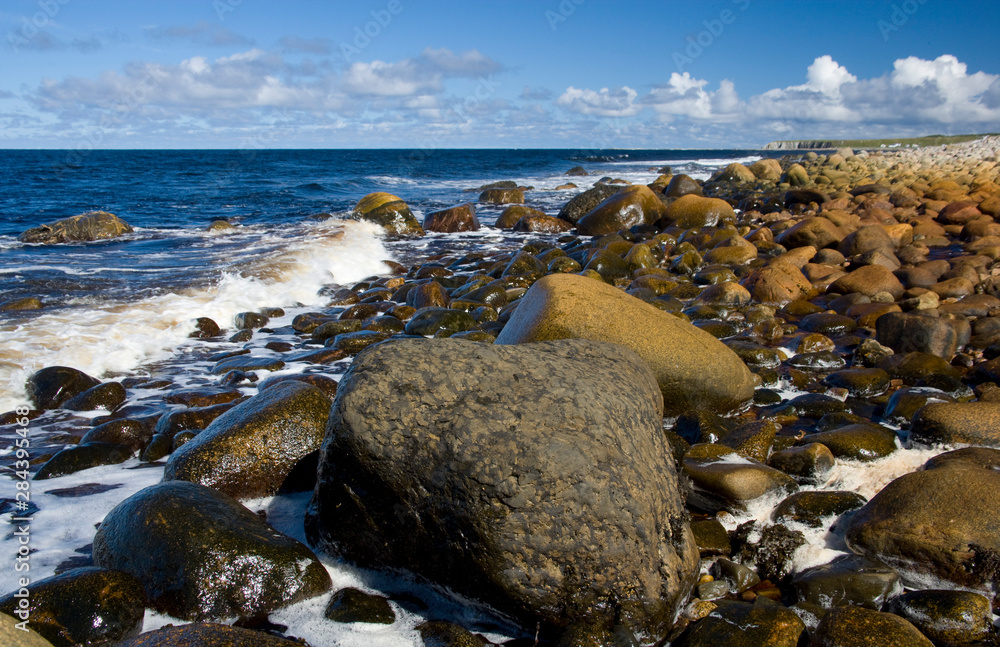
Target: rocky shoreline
{"type": "Point", "coordinates": [582, 442]}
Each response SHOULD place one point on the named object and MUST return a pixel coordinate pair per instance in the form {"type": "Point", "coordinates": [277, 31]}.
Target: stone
{"type": "Point", "coordinates": [958, 423]}
{"type": "Point", "coordinates": [796, 175]}
{"type": "Point", "coordinates": [351, 605]}
{"type": "Point", "coordinates": [248, 451]}
{"type": "Point", "coordinates": [811, 508]}
{"type": "Point", "coordinates": [389, 212]}
{"type": "Point", "coordinates": [439, 633]}
{"type": "Point", "coordinates": [744, 624]}
{"type": "Point", "coordinates": [458, 218]}
{"type": "Point", "coordinates": [905, 333]}
{"type": "Point", "coordinates": [735, 172]}
{"type": "Point", "coordinates": [721, 479]}
{"type": "Point", "coordinates": [777, 283]}
{"type": "Point", "coordinates": [947, 616]}
{"type": "Point", "coordinates": [859, 627]}
{"type": "Point", "coordinates": [869, 280]}
{"type": "Point", "coordinates": [205, 328]}
{"type": "Point", "coordinates": [107, 396]}
{"type": "Point", "coordinates": [577, 171]}
{"type": "Point", "coordinates": [13, 635]}
{"type": "Point", "coordinates": [83, 456]}
{"type": "Point", "coordinates": [201, 634]}
{"type": "Point", "coordinates": [681, 185]}
{"type": "Point", "coordinates": [131, 433]}
{"type": "Point", "coordinates": [196, 418]}
{"type": "Point", "coordinates": [934, 523]}
{"type": "Point", "coordinates": [86, 227]}
{"type": "Point", "coordinates": [82, 606]}
{"type": "Point", "coordinates": [515, 212]}
{"type": "Point", "coordinates": [692, 211]}
{"type": "Point", "coordinates": [859, 382]}
{"type": "Point", "coordinates": [440, 322]}
{"type": "Point", "coordinates": [249, 320]}
{"type": "Point", "coordinates": [247, 363]}
{"type": "Point", "coordinates": [815, 232]}
{"type": "Point", "coordinates": [859, 442]}
{"type": "Point", "coordinates": [804, 197]}
{"type": "Point", "coordinates": [583, 203]}
{"type": "Point", "coordinates": [809, 463]}
{"type": "Point", "coordinates": [711, 537]}
{"type": "Point", "coordinates": [542, 224]}
{"type": "Point", "coordinates": [50, 387]}
{"type": "Point", "coordinates": [633, 205]}
{"type": "Point", "coordinates": [502, 196]}
{"type": "Point", "coordinates": [866, 239]}
{"type": "Point", "coordinates": [753, 439]}
{"type": "Point", "coordinates": [848, 581]}
{"type": "Point", "coordinates": [694, 369]}
{"type": "Point", "coordinates": [478, 467]}
{"type": "Point", "coordinates": [27, 303]}
{"type": "Point", "coordinates": [159, 534]}
{"type": "Point", "coordinates": [767, 169]}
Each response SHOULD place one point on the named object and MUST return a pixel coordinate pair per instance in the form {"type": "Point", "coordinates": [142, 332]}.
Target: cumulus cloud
{"type": "Point", "coordinates": [606, 103]}
{"type": "Point", "coordinates": [686, 96]}
{"type": "Point", "coordinates": [424, 73]}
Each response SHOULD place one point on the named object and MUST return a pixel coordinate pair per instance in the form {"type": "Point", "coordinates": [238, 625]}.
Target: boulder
{"type": "Point", "coordinates": [160, 534]}
{"type": "Point", "coordinates": [869, 281]}
{"type": "Point", "coordinates": [27, 303]}
{"type": "Point", "coordinates": [934, 522]}
{"type": "Point", "coordinates": [542, 224]}
{"type": "Point", "coordinates": [735, 172]}
{"type": "Point", "coordinates": [82, 606]}
{"type": "Point", "coordinates": [693, 368]}
{"type": "Point", "coordinates": [815, 232]}
{"type": "Point", "coordinates": [951, 423]}
{"type": "Point", "coordinates": [766, 169]}
{"type": "Point", "coordinates": [201, 634]}
{"type": "Point", "coordinates": [742, 624]}
{"type": "Point", "coordinates": [388, 211]}
{"type": "Point", "coordinates": [681, 185]}
{"type": "Point", "coordinates": [86, 227]}
{"type": "Point", "coordinates": [83, 456]}
{"type": "Point", "coordinates": [583, 203]}
{"type": "Point", "coordinates": [903, 333]}
{"type": "Point", "coordinates": [778, 283]}
{"type": "Point", "coordinates": [633, 205]}
{"type": "Point", "coordinates": [249, 450]}
{"type": "Point", "coordinates": [458, 218]}
{"type": "Point", "coordinates": [50, 387]}
{"type": "Point", "coordinates": [577, 171]}
{"type": "Point", "coordinates": [722, 479]}
{"type": "Point", "coordinates": [15, 633]}
{"type": "Point", "coordinates": [692, 211]}
{"type": "Point", "coordinates": [848, 581]}
{"type": "Point", "coordinates": [107, 396]}
{"type": "Point", "coordinates": [518, 475]}
{"type": "Point", "coordinates": [947, 616]}
{"type": "Point", "coordinates": [860, 627]}
{"type": "Point", "coordinates": [514, 213]}
{"type": "Point", "coordinates": [502, 196]}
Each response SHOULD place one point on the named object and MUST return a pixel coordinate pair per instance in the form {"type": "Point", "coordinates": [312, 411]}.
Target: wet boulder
{"type": "Point", "coordinates": [934, 522]}
{"type": "Point", "coordinates": [128, 432]}
{"type": "Point", "coordinates": [745, 624]}
{"type": "Point", "coordinates": [514, 213]}
{"type": "Point", "coordinates": [860, 627]}
{"type": "Point", "coordinates": [693, 368]}
{"type": "Point", "coordinates": [82, 606]}
{"type": "Point", "coordinates": [390, 212]}
{"type": "Point", "coordinates": [848, 581]}
{"type": "Point", "coordinates": [813, 508]}
{"type": "Point", "coordinates": [695, 211]}
{"type": "Point", "coordinates": [904, 333]}
{"type": "Point", "coordinates": [453, 219]}
{"type": "Point", "coordinates": [859, 442]}
{"type": "Point", "coordinates": [107, 396]}
{"type": "Point", "coordinates": [83, 456]}
{"type": "Point", "coordinates": [633, 205]}
{"type": "Point", "coordinates": [201, 634]}
{"type": "Point", "coordinates": [351, 605]}
{"type": "Point", "coordinates": [86, 227]}
{"type": "Point", "coordinates": [249, 450]}
{"type": "Point", "coordinates": [722, 479]}
{"type": "Point", "coordinates": [27, 303]}
{"type": "Point", "coordinates": [947, 616]}
{"type": "Point", "coordinates": [583, 203]}
{"type": "Point", "coordinates": [969, 423]}
{"type": "Point", "coordinates": [50, 387]}
{"type": "Point", "coordinates": [159, 536]}
{"type": "Point", "coordinates": [502, 196]}
{"type": "Point", "coordinates": [518, 475]}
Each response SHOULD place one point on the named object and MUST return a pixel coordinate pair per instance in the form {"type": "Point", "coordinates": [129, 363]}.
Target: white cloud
{"type": "Point", "coordinates": [686, 96]}
{"type": "Point", "coordinates": [606, 103]}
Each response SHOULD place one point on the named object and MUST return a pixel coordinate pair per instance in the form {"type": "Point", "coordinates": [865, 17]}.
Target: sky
{"type": "Point", "coordinates": [83, 74]}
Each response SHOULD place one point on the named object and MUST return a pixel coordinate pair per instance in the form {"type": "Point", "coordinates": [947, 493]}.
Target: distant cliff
{"type": "Point", "coordinates": [798, 145]}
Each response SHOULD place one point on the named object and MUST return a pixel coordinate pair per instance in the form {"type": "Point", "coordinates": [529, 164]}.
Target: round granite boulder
{"type": "Point", "coordinates": [249, 450]}
{"type": "Point", "coordinates": [533, 477]}
{"type": "Point", "coordinates": [633, 205]}
{"type": "Point", "coordinates": [967, 423]}
{"type": "Point", "coordinates": [695, 211]}
{"type": "Point", "coordinates": [458, 218]}
{"type": "Point", "coordinates": [390, 212]}
{"type": "Point", "coordinates": [860, 627]}
{"type": "Point", "coordinates": [583, 203]}
{"type": "Point", "coordinates": [693, 368]}
{"type": "Point", "coordinates": [201, 555]}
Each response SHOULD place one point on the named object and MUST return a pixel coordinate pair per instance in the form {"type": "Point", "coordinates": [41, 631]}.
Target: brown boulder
{"type": "Point", "coordinates": [90, 226]}
{"type": "Point", "coordinates": [777, 284]}
{"type": "Point", "coordinates": [695, 211]}
{"type": "Point", "coordinates": [869, 281]}
{"type": "Point", "coordinates": [633, 205]}
{"type": "Point", "coordinates": [458, 218]}
{"type": "Point", "coordinates": [388, 211]}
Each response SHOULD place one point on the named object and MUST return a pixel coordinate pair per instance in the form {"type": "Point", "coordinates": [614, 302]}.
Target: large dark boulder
{"type": "Point", "coordinates": [50, 387]}
{"type": "Point", "coordinates": [201, 555]}
{"type": "Point", "coordinates": [82, 606]}
{"type": "Point", "coordinates": [458, 218]}
{"type": "Point", "coordinates": [581, 204]}
{"type": "Point", "coordinates": [535, 478]}
{"type": "Point", "coordinates": [86, 227]}
{"type": "Point", "coordinates": [633, 205]}
{"type": "Point", "coordinates": [388, 211]}
{"type": "Point", "coordinates": [249, 450]}
{"type": "Point", "coordinates": [693, 368]}
{"type": "Point", "coordinates": [202, 634]}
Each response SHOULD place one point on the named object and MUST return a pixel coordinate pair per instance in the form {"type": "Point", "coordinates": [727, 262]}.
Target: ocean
{"type": "Point", "coordinates": [125, 308]}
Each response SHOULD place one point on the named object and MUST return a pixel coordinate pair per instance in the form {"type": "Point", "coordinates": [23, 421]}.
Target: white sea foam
{"type": "Point", "coordinates": [119, 336]}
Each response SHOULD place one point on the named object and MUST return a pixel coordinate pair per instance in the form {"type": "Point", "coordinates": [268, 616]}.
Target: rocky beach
{"type": "Point", "coordinates": [759, 406]}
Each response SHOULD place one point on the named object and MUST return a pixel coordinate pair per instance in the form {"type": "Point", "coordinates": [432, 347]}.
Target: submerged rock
{"type": "Point", "coordinates": [518, 475]}
{"type": "Point", "coordinates": [86, 227]}
{"type": "Point", "coordinates": [159, 536]}
{"type": "Point", "coordinates": [693, 368]}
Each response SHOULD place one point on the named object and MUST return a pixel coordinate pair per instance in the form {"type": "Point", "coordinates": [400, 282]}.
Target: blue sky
{"type": "Point", "coordinates": [547, 73]}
